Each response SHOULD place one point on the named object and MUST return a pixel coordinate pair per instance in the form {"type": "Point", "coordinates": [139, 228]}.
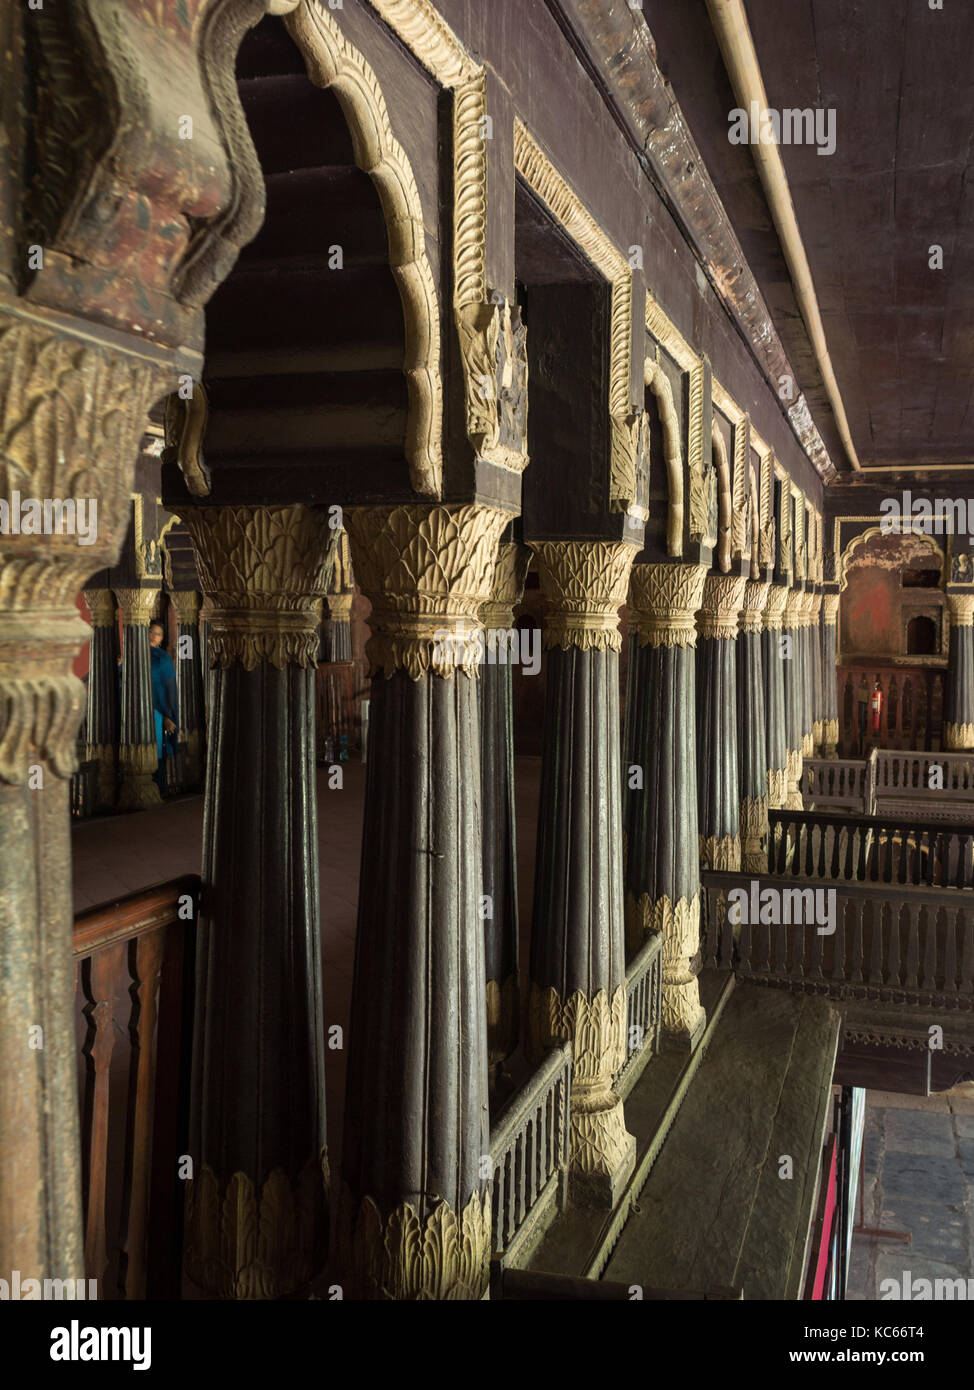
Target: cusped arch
{"type": "Point", "coordinates": [725, 505]}
{"type": "Point", "coordinates": [922, 544]}
{"type": "Point", "coordinates": [332, 62]}
{"type": "Point", "coordinates": [657, 382]}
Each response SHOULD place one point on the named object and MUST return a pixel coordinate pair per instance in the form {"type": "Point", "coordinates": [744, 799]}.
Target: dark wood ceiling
{"type": "Point", "coordinates": [898, 75]}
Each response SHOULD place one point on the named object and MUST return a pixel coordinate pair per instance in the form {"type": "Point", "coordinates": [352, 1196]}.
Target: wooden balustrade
{"type": "Point", "coordinates": [912, 715]}
{"type": "Point", "coordinates": [529, 1147]}
{"type": "Point", "coordinates": [644, 982]}
{"type": "Point", "coordinates": [875, 849]}
{"type": "Point", "coordinates": [892, 944]}
{"type": "Point", "coordinates": [133, 983]}
{"type": "Point", "coordinates": [841, 784]}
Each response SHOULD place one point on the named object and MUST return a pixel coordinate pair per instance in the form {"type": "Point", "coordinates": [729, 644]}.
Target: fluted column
{"type": "Point", "coordinates": [830, 699]}
{"type": "Point", "coordinates": [578, 944]}
{"type": "Point", "coordinates": [189, 680]}
{"type": "Point", "coordinates": [792, 671]}
{"type": "Point", "coordinates": [256, 1223]}
{"type": "Point", "coordinates": [102, 714]}
{"type": "Point", "coordinates": [138, 751]}
{"type": "Point", "coordinates": [752, 743]}
{"type": "Point", "coordinates": [815, 663]}
{"type": "Point", "coordinates": [497, 787]}
{"type": "Point", "coordinates": [772, 666]}
{"type": "Point", "coordinates": [959, 725]}
{"type": "Point", "coordinates": [663, 867]}
{"type": "Point", "coordinates": [807, 619]}
{"type": "Point", "coordinates": [339, 629]}
{"type": "Point", "coordinates": [718, 786]}
{"type": "Point", "coordinates": [414, 1210]}
{"type": "Point", "coordinates": [73, 411]}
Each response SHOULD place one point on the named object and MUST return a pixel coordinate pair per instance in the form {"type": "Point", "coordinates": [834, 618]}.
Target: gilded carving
{"type": "Point", "coordinates": [187, 605]}
{"type": "Point", "coordinates": [442, 1256]}
{"type": "Point", "coordinates": [264, 570]}
{"type": "Point", "coordinates": [777, 787]}
{"type": "Point", "coordinates": [245, 1243]}
{"type": "Point", "coordinates": [335, 63]}
{"type": "Point", "coordinates": [702, 488]}
{"type": "Point", "coordinates": [720, 852]}
{"type": "Point", "coordinates": [753, 605]}
{"type": "Point", "coordinates": [427, 571]}
{"type": "Point", "coordinates": [584, 585]}
{"type": "Point", "coordinates": [958, 736]}
{"type": "Point", "coordinates": [137, 605]}
{"type": "Point", "coordinates": [510, 572]}
{"type": "Point", "coordinates": [830, 609]}
{"type": "Point", "coordinates": [666, 599]}
{"type": "Point", "coordinates": [185, 428]}
{"type": "Point", "coordinates": [720, 605]}
{"type": "Point", "coordinates": [961, 609]}
{"type": "Point", "coordinates": [830, 736]}
{"type": "Point", "coordinates": [679, 925]}
{"type": "Point", "coordinates": [101, 607]}
{"type": "Point", "coordinates": [774, 611]}
{"type": "Point", "coordinates": [426, 33]}
{"type": "Point", "coordinates": [495, 368]}
{"type": "Point", "coordinates": [754, 832]}
{"type": "Point", "coordinates": [658, 382]}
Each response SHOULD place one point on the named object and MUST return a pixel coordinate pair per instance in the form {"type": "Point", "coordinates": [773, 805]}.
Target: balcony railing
{"type": "Point", "coordinates": [529, 1147]}
{"type": "Point", "coordinates": [644, 980]}
{"type": "Point", "coordinates": [903, 946]}
{"type": "Point", "coordinates": [875, 849]}
{"type": "Point", "coordinates": [840, 784]}
{"type": "Point", "coordinates": [133, 973]}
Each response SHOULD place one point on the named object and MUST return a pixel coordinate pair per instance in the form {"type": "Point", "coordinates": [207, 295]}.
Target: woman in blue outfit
{"type": "Point", "coordinates": [165, 700]}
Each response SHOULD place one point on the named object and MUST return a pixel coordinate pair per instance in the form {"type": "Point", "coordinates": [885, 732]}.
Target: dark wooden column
{"type": "Point", "coordinates": [102, 715]}
{"type": "Point", "coordinates": [497, 789]}
{"type": "Point", "coordinates": [792, 671]}
{"type": "Point", "coordinates": [189, 679]}
{"type": "Point", "coordinates": [959, 724]}
{"type": "Point", "coordinates": [73, 412]}
{"type": "Point", "coordinates": [256, 1208]}
{"type": "Point", "coordinates": [138, 752]}
{"type": "Point", "coordinates": [578, 965]}
{"type": "Point", "coordinates": [815, 664]}
{"type": "Point", "coordinates": [807, 619]}
{"type": "Point", "coordinates": [718, 787]}
{"type": "Point", "coordinates": [663, 868]}
{"type": "Point", "coordinates": [752, 744]}
{"type": "Point", "coordinates": [339, 627]}
{"type": "Point", "coordinates": [774, 696]}
{"type": "Point", "coordinates": [830, 699]}
{"type": "Point", "coordinates": [414, 1209]}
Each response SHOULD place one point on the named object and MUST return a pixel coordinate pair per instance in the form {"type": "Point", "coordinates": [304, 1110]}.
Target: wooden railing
{"type": "Point", "coordinates": [912, 713]}
{"type": "Point", "coordinates": [529, 1147]}
{"type": "Point", "coordinates": [840, 784]}
{"type": "Point", "coordinates": [876, 849]}
{"type": "Point", "coordinates": [644, 980]}
{"type": "Point", "coordinates": [932, 777]}
{"type": "Point", "coordinates": [133, 984]}
{"type": "Point", "coordinates": [890, 944]}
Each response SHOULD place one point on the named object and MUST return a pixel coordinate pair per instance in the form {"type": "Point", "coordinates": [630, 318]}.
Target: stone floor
{"type": "Point", "coordinates": [919, 1177]}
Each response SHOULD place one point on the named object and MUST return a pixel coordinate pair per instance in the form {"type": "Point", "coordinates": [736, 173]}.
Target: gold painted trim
{"type": "Point", "coordinates": [429, 38]}
{"type": "Point", "coordinates": [665, 332]}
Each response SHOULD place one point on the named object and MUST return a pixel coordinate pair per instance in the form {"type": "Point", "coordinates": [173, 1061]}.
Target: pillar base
{"type": "Point", "coordinates": [604, 1153]}
{"type": "Point", "coordinates": [691, 1022]}
{"type": "Point", "coordinates": [958, 738]}
{"type": "Point", "coordinates": [137, 790]}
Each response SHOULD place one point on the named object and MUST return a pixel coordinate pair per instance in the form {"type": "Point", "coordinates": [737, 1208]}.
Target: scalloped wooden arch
{"type": "Point", "coordinates": [657, 382]}
{"type": "Point", "coordinates": [926, 542]}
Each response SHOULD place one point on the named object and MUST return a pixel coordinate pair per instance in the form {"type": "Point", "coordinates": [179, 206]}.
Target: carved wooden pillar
{"type": "Point", "coordinates": [718, 787]}
{"type": "Point", "coordinates": [189, 679]}
{"type": "Point", "coordinates": [414, 1211]}
{"type": "Point", "coordinates": [663, 868]}
{"type": "Point", "coordinates": [772, 665]}
{"type": "Point", "coordinates": [339, 629]}
{"type": "Point", "coordinates": [256, 1209]}
{"type": "Point", "coordinates": [497, 790]}
{"type": "Point", "coordinates": [752, 744]}
{"type": "Point", "coordinates": [578, 965]}
{"type": "Point", "coordinates": [815, 666]}
{"type": "Point", "coordinates": [807, 619]}
{"type": "Point", "coordinates": [102, 717]}
{"type": "Point", "coordinates": [792, 671]}
{"type": "Point", "coordinates": [830, 701]}
{"type": "Point", "coordinates": [138, 751]}
{"type": "Point", "coordinates": [72, 413]}
{"type": "Point", "coordinates": [959, 725]}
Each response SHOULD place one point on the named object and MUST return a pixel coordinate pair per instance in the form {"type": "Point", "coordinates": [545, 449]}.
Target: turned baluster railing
{"type": "Point", "coordinates": [875, 849]}
{"type": "Point", "coordinates": [644, 979]}
{"type": "Point", "coordinates": [529, 1150]}
{"type": "Point", "coordinates": [132, 975]}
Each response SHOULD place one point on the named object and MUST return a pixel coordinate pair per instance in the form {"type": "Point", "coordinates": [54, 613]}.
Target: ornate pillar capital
{"type": "Point", "coordinates": [793, 611]}
{"type": "Point", "coordinates": [136, 605]}
{"type": "Point", "coordinates": [187, 605]}
{"type": "Point", "coordinates": [830, 609]}
{"type": "Point", "coordinates": [101, 607]}
{"type": "Point", "coordinates": [427, 572]}
{"type": "Point", "coordinates": [510, 573]}
{"type": "Point", "coordinates": [960, 607]}
{"type": "Point", "coordinates": [584, 584]}
{"type": "Point", "coordinates": [264, 570]}
{"type": "Point", "coordinates": [721, 604]}
{"type": "Point", "coordinates": [774, 609]}
{"type": "Point", "coordinates": [753, 603]}
{"type": "Point", "coordinates": [666, 599]}
{"type": "Point", "coordinates": [339, 607]}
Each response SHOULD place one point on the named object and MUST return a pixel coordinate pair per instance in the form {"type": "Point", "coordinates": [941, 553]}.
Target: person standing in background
{"type": "Point", "coordinates": [165, 699]}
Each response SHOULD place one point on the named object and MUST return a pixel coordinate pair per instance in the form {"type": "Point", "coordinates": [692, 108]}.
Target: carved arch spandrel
{"type": "Point", "coordinates": [335, 63]}
{"type": "Point", "coordinates": [658, 382]}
